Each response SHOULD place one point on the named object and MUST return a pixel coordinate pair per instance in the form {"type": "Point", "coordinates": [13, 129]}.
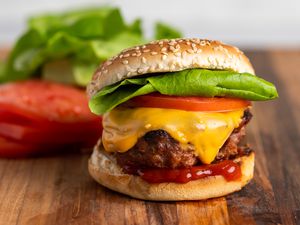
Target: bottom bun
{"type": "Point", "coordinates": [106, 171]}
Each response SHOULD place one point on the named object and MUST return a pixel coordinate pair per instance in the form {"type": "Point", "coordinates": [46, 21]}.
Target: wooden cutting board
{"type": "Point", "coordinates": [59, 190]}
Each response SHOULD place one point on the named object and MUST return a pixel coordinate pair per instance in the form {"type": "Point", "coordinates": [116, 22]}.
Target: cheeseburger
{"type": "Point", "coordinates": [174, 116]}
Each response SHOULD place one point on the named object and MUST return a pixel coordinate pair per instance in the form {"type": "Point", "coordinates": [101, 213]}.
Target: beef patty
{"type": "Point", "coordinates": [159, 150]}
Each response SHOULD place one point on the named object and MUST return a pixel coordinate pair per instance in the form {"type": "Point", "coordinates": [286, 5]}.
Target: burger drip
{"type": "Point", "coordinates": [228, 169]}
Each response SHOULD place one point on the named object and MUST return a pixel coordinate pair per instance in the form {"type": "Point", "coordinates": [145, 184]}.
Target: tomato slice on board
{"type": "Point", "coordinates": [9, 148]}
{"type": "Point", "coordinates": [53, 135]}
{"type": "Point", "coordinates": [12, 114]}
{"type": "Point", "coordinates": [13, 149]}
{"type": "Point", "coordinates": [9, 115]}
{"type": "Point", "coordinates": [189, 103]}
{"type": "Point", "coordinates": [37, 117]}
{"type": "Point", "coordinates": [46, 100]}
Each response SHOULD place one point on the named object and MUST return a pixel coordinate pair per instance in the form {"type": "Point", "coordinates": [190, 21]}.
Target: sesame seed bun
{"type": "Point", "coordinates": [168, 56]}
{"type": "Point", "coordinates": [105, 171]}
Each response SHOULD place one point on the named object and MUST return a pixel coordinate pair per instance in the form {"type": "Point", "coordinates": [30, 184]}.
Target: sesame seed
{"type": "Point", "coordinates": [105, 71]}
{"type": "Point", "coordinates": [174, 49]}
{"type": "Point", "coordinates": [216, 48]}
{"type": "Point", "coordinates": [126, 55]}
{"type": "Point", "coordinates": [196, 40]}
{"type": "Point", "coordinates": [190, 51]}
{"type": "Point", "coordinates": [202, 43]}
{"type": "Point", "coordinates": [152, 68]}
{"type": "Point", "coordinates": [164, 49]}
{"type": "Point", "coordinates": [188, 43]}
{"type": "Point", "coordinates": [177, 54]}
{"type": "Point", "coordinates": [172, 42]}
{"type": "Point", "coordinates": [119, 76]}
{"type": "Point", "coordinates": [125, 62]}
{"type": "Point", "coordinates": [160, 42]}
{"type": "Point", "coordinates": [138, 54]}
{"type": "Point", "coordinates": [128, 68]}
{"type": "Point", "coordinates": [144, 46]}
{"type": "Point", "coordinates": [146, 50]}
{"type": "Point", "coordinates": [210, 59]}
{"type": "Point", "coordinates": [108, 62]}
{"type": "Point", "coordinates": [121, 56]}
{"type": "Point", "coordinates": [141, 70]}
{"type": "Point", "coordinates": [153, 53]}
{"type": "Point", "coordinates": [164, 57]}
{"type": "Point", "coordinates": [133, 54]}
{"type": "Point", "coordinates": [144, 60]}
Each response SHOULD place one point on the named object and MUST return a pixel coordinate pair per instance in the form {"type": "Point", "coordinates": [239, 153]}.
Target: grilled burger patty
{"type": "Point", "coordinates": [157, 149]}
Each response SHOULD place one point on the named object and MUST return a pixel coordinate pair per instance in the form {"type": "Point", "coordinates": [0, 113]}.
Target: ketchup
{"type": "Point", "coordinates": [228, 169]}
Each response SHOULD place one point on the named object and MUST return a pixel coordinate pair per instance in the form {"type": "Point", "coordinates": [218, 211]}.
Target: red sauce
{"type": "Point", "coordinates": [228, 169]}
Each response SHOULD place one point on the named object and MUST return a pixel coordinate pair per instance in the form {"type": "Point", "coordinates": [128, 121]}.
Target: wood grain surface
{"type": "Point", "coordinates": [59, 190]}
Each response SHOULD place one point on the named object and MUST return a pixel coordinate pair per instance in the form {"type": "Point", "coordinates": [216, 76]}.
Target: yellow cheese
{"type": "Point", "coordinates": [207, 131]}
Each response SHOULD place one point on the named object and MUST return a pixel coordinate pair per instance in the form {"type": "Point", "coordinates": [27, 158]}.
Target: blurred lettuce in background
{"type": "Point", "coordinates": [67, 47]}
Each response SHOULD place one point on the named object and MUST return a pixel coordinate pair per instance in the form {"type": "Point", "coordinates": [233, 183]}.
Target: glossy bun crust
{"type": "Point", "coordinates": [105, 171]}
{"type": "Point", "coordinates": [167, 56]}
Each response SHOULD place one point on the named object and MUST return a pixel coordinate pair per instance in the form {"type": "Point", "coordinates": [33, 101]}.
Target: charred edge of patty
{"type": "Point", "coordinates": [157, 149]}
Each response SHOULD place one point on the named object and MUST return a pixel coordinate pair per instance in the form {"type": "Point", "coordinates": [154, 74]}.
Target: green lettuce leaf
{"type": "Point", "coordinates": [2, 66]}
{"type": "Point", "coordinates": [83, 71]}
{"type": "Point", "coordinates": [84, 37]}
{"type": "Point", "coordinates": [164, 31]}
{"type": "Point", "coordinates": [85, 23]}
{"type": "Point", "coordinates": [192, 82]}
{"type": "Point", "coordinates": [83, 65]}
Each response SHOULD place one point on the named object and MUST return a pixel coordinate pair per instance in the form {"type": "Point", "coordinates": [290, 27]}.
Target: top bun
{"type": "Point", "coordinates": [168, 56]}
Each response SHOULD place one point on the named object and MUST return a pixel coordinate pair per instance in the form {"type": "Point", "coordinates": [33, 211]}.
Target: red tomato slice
{"type": "Point", "coordinates": [12, 114]}
{"type": "Point", "coordinates": [46, 100]}
{"type": "Point", "coordinates": [53, 135]}
{"type": "Point", "coordinates": [38, 117]}
{"type": "Point", "coordinates": [13, 149]}
{"type": "Point", "coordinates": [9, 148]}
{"type": "Point", "coordinates": [191, 103]}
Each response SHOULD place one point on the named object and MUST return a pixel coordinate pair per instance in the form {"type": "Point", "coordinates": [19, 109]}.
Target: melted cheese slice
{"type": "Point", "coordinates": [207, 131]}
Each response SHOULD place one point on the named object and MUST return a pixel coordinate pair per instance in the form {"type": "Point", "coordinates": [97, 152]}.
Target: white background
{"type": "Point", "coordinates": [248, 24]}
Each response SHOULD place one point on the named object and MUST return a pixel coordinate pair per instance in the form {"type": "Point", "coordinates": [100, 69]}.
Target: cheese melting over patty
{"type": "Point", "coordinates": [207, 131]}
